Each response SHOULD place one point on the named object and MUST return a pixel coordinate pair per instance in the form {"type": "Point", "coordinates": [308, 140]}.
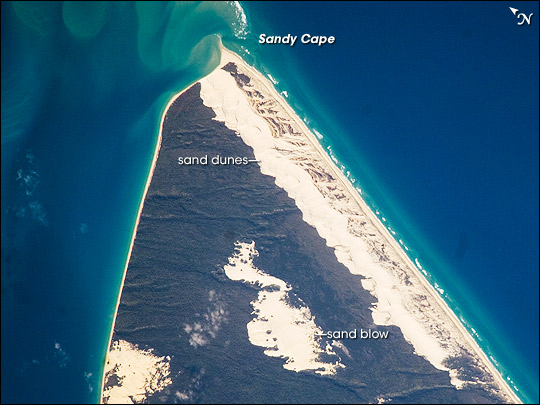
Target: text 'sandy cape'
{"type": "Point", "coordinates": [289, 39]}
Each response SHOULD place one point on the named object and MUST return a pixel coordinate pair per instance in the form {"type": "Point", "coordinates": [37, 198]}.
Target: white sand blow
{"type": "Point", "coordinates": [285, 330]}
{"type": "Point", "coordinates": [137, 374]}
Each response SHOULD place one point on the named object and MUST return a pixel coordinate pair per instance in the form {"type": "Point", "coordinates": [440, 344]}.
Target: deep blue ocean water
{"type": "Point", "coordinates": [432, 109]}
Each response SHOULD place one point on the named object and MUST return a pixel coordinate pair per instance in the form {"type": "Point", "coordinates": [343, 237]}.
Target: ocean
{"type": "Point", "coordinates": [431, 111]}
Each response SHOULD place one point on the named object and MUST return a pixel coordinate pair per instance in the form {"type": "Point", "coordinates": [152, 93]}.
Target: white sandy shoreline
{"type": "Point", "coordinates": [230, 56]}
{"type": "Point", "coordinates": [134, 234]}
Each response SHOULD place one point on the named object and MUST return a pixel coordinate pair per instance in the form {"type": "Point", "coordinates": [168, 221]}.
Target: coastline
{"type": "Point", "coordinates": [228, 56]}
{"type": "Point", "coordinates": [134, 234]}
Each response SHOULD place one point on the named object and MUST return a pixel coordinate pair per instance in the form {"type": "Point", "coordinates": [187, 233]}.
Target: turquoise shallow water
{"type": "Point", "coordinates": [420, 115]}
{"type": "Point", "coordinates": [83, 90]}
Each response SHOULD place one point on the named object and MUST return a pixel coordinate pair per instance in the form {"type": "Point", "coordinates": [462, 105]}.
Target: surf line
{"type": "Point", "coordinates": [214, 87]}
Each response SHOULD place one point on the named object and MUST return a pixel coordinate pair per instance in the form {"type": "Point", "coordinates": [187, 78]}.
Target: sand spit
{"type": "Point", "coordinates": [247, 103]}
